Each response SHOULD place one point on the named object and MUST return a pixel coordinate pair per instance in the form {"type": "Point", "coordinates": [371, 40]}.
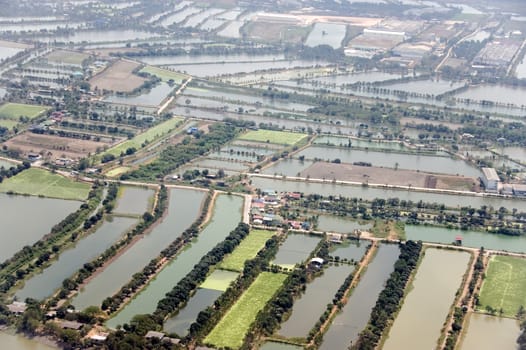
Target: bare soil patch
{"type": "Point", "coordinates": [377, 175]}
{"type": "Point", "coordinates": [118, 77]}
{"type": "Point", "coordinates": [54, 146]}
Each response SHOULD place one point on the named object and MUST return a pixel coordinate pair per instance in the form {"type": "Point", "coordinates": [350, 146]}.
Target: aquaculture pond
{"type": "Point", "coordinates": [154, 97]}
{"type": "Point", "coordinates": [134, 200]}
{"type": "Point", "coordinates": [474, 239]}
{"type": "Point", "coordinates": [201, 59]}
{"type": "Point", "coordinates": [430, 297]}
{"type": "Point", "coordinates": [295, 249]}
{"type": "Point", "coordinates": [490, 332]}
{"type": "Point", "coordinates": [202, 298]}
{"type": "Point", "coordinates": [340, 224]}
{"type": "Point", "coordinates": [311, 305]}
{"type": "Point", "coordinates": [342, 141]}
{"type": "Point", "coordinates": [370, 193]}
{"type": "Point", "coordinates": [288, 167]}
{"type": "Point", "coordinates": [93, 36]}
{"type": "Point", "coordinates": [354, 316]}
{"type": "Point", "coordinates": [271, 345]}
{"type": "Point", "coordinates": [495, 93]}
{"type": "Point", "coordinates": [226, 216]}
{"type": "Point", "coordinates": [435, 164]}
{"type": "Point", "coordinates": [25, 220]}
{"type": "Point", "coordinates": [85, 250]}
{"type": "Point", "coordinates": [350, 249]}
{"type": "Point", "coordinates": [205, 296]}
{"type": "Point", "coordinates": [183, 209]}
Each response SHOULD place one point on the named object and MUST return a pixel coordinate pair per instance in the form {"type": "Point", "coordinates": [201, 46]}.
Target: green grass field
{"type": "Point", "coordinates": [14, 111]}
{"type": "Point", "coordinates": [164, 74]}
{"type": "Point", "coordinates": [247, 249]}
{"type": "Point", "coordinates": [219, 280]}
{"type": "Point", "coordinates": [8, 123]}
{"type": "Point", "coordinates": [233, 327]}
{"type": "Point", "coordinates": [67, 57]}
{"type": "Point", "coordinates": [271, 136]}
{"type": "Point", "coordinates": [505, 285]}
{"type": "Point", "coordinates": [40, 182]}
{"type": "Point", "coordinates": [149, 135]}
{"type": "Point", "coordinates": [118, 171]}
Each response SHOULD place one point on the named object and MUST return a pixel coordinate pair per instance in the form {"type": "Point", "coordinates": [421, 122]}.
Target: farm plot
{"type": "Point", "coordinates": [53, 146]}
{"type": "Point", "coordinates": [39, 182]}
{"type": "Point", "coordinates": [165, 74]}
{"type": "Point", "coordinates": [118, 77]}
{"type": "Point", "coordinates": [504, 287]}
{"type": "Point", "coordinates": [247, 249]}
{"type": "Point", "coordinates": [13, 111]}
{"type": "Point", "coordinates": [271, 136]}
{"type": "Point", "coordinates": [233, 327]}
{"type": "Point", "coordinates": [148, 136]}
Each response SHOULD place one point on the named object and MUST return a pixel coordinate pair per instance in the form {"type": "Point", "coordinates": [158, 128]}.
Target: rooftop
{"type": "Point", "coordinates": [490, 174]}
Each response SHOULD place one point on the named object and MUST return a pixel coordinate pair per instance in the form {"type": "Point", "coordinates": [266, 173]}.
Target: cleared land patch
{"type": "Point", "coordinates": [271, 136]}
{"type": "Point", "coordinates": [13, 111]}
{"type": "Point", "coordinates": [118, 77]}
{"type": "Point", "coordinates": [164, 74]}
{"type": "Point", "coordinates": [39, 182]}
{"type": "Point", "coordinates": [233, 327]}
{"type": "Point", "coordinates": [54, 146]}
{"type": "Point", "coordinates": [505, 285]}
{"type": "Point", "coordinates": [247, 249]}
{"type": "Point", "coordinates": [397, 177]}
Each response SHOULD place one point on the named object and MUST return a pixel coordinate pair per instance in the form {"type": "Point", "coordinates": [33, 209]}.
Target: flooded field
{"type": "Point", "coordinates": [270, 345]}
{"type": "Point", "coordinates": [204, 59]}
{"type": "Point", "coordinates": [370, 193]}
{"type": "Point", "coordinates": [85, 250]}
{"type": "Point", "coordinates": [295, 249]}
{"type": "Point", "coordinates": [19, 342]}
{"type": "Point", "coordinates": [326, 34]}
{"type": "Point", "coordinates": [227, 215]}
{"type": "Point", "coordinates": [17, 231]}
{"type": "Point", "coordinates": [93, 36]}
{"type": "Point", "coordinates": [134, 200]}
{"type": "Point", "coordinates": [490, 332]}
{"type": "Point", "coordinates": [183, 209]}
{"type": "Point", "coordinates": [355, 314]}
{"type": "Point", "coordinates": [474, 239]}
{"type": "Point", "coordinates": [311, 305]}
{"type": "Point", "coordinates": [495, 93]}
{"type": "Point", "coordinates": [350, 249]}
{"type": "Point", "coordinates": [431, 295]}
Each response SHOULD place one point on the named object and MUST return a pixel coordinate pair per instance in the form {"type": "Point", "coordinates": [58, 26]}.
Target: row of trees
{"type": "Point", "coordinates": [389, 299]}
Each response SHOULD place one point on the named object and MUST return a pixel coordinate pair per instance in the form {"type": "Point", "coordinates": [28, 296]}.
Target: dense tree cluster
{"type": "Point", "coordinates": [12, 171]}
{"type": "Point", "coordinates": [389, 300]}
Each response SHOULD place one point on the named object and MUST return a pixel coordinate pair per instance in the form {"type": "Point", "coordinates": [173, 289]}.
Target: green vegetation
{"type": "Point", "coordinates": [272, 136]}
{"type": "Point", "coordinates": [39, 182]}
{"type": "Point", "coordinates": [219, 280]}
{"type": "Point", "coordinates": [504, 291]}
{"type": "Point", "coordinates": [8, 123]}
{"type": "Point", "coordinates": [117, 171]}
{"type": "Point", "coordinates": [232, 328]}
{"type": "Point", "coordinates": [246, 250]}
{"type": "Point", "coordinates": [14, 111]}
{"type": "Point", "coordinates": [176, 155]}
{"type": "Point", "coordinates": [146, 137]}
{"type": "Point", "coordinates": [164, 74]}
